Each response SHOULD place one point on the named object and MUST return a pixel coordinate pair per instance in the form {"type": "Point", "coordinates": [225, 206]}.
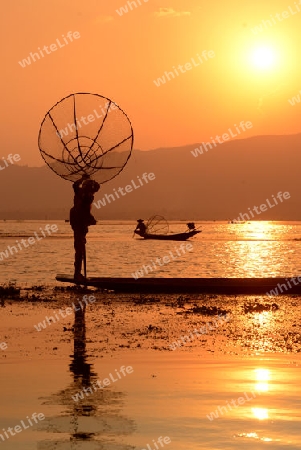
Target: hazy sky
{"type": "Point", "coordinates": [120, 56]}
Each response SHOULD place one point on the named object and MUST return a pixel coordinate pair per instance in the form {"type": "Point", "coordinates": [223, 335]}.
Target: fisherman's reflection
{"type": "Point", "coordinates": [92, 414]}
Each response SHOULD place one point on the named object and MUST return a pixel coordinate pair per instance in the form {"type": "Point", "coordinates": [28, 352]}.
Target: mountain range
{"type": "Point", "coordinates": [220, 184]}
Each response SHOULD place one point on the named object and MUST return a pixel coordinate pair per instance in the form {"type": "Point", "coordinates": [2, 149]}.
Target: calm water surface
{"type": "Point", "coordinates": [254, 249]}
{"type": "Point", "coordinates": [164, 396]}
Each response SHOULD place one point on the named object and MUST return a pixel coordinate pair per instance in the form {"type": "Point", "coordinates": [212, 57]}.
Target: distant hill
{"type": "Point", "coordinates": [217, 185]}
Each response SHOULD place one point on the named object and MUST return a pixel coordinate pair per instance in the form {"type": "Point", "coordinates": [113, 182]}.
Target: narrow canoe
{"type": "Point", "coordinates": [169, 237]}
{"type": "Point", "coordinates": [191, 285]}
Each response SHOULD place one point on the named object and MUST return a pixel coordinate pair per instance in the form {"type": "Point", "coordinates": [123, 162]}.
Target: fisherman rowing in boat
{"type": "Point", "coordinates": [141, 227]}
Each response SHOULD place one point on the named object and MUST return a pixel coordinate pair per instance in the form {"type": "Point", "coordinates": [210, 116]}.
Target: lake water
{"type": "Point", "coordinates": [253, 249]}
{"type": "Point", "coordinates": [160, 398]}
{"type": "Point", "coordinates": [236, 388]}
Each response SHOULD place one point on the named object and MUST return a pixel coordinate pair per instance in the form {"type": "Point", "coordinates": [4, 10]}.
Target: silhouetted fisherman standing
{"type": "Point", "coordinates": [81, 218]}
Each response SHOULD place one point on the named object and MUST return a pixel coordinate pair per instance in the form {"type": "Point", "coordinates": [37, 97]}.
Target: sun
{"type": "Point", "coordinates": [264, 58]}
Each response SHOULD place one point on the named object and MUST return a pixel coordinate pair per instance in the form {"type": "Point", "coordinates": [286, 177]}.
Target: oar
{"type": "Point", "coordinates": [134, 233]}
{"type": "Point", "coordinates": [85, 262]}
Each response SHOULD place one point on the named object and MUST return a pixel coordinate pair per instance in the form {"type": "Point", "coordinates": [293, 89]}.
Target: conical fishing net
{"type": "Point", "coordinates": [86, 134]}
{"type": "Point", "coordinates": [157, 225]}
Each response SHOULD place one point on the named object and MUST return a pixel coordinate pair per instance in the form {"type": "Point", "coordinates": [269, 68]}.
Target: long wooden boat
{"type": "Point", "coordinates": [169, 237]}
{"type": "Point", "coordinates": [229, 286]}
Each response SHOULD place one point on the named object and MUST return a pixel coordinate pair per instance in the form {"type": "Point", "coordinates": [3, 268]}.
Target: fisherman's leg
{"type": "Point", "coordinates": [79, 246]}
{"type": "Point", "coordinates": [78, 255]}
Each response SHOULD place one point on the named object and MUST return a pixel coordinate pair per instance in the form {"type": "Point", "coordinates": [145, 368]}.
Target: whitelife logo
{"type": "Point", "coordinates": [31, 241]}
{"type": "Point", "coordinates": [265, 24]}
{"type": "Point", "coordinates": [33, 57]}
{"type": "Point", "coordinates": [68, 311]}
{"type": "Point", "coordinates": [263, 207]}
{"type": "Point", "coordinates": [3, 345]}
{"type": "Point", "coordinates": [205, 329]}
{"type": "Point", "coordinates": [243, 126]}
{"type": "Point", "coordinates": [10, 159]}
{"type": "Point", "coordinates": [18, 428]}
{"type": "Point", "coordinates": [168, 76]}
{"type": "Point", "coordinates": [86, 391]}
{"type": "Point", "coordinates": [287, 286]}
{"type": "Point", "coordinates": [221, 410]}
{"type": "Point", "coordinates": [128, 188]}
{"type": "Point", "coordinates": [293, 101]}
{"type": "Point", "coordinates": [130, 4]}
{"type": "Point", "coordinates": [161, 440]}
{"type": "Point", "coordinates": [72, 127]}
{"type": "Point", "coordinates": [181, 250]}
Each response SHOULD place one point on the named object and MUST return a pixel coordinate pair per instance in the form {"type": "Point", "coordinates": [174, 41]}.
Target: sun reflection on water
{"type": "Point", "coordinates": [262, 377]}
{"type": "Point", "coordinates": [260, 230]}
{"type": "Point", "coordinates": [260, 413]}
{"type": "Point", "coordinates": [252, 248]}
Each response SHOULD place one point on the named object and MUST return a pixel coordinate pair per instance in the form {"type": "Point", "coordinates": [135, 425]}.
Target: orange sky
{"type": "Point", "coordinates": [121, 56]}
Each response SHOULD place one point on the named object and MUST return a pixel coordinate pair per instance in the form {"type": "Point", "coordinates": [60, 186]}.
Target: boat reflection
{"type": "Point", "coordinates": [90, 417]}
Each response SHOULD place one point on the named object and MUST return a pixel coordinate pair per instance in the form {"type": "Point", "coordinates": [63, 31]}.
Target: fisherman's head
{"type": "Point", "coordinates": [90, 185]}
